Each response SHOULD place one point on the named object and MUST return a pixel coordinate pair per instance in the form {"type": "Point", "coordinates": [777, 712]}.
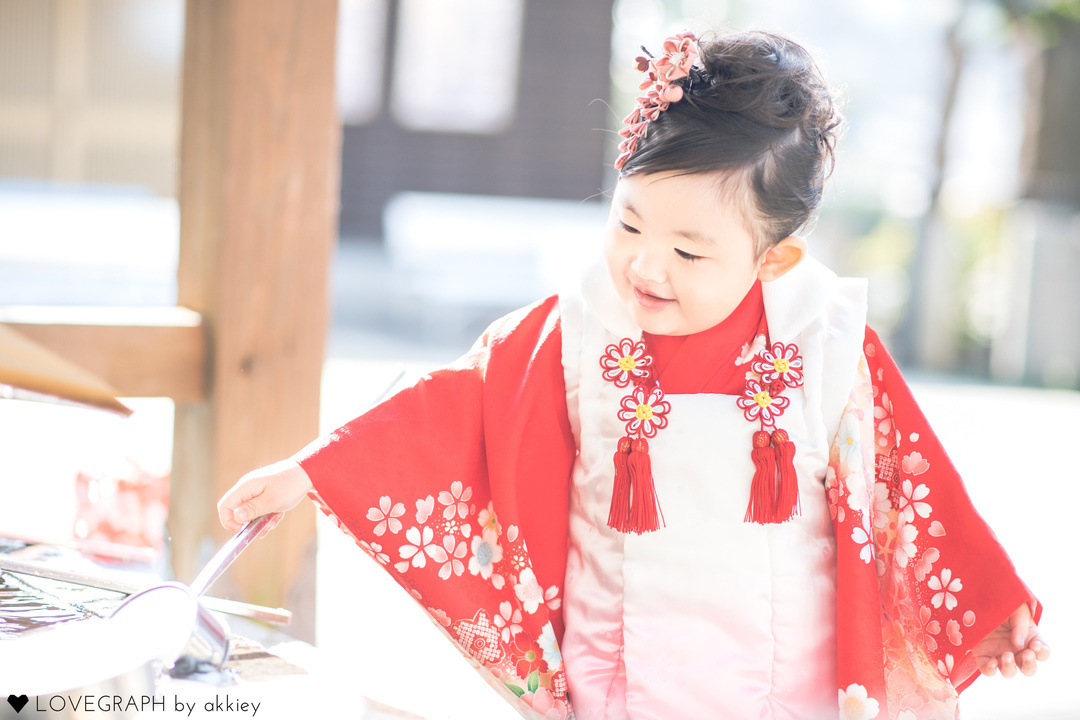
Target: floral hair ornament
{"type": "Point", "coordinates": [660, 86]}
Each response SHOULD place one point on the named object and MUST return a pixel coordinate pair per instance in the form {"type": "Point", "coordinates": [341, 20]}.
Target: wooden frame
{"type": "Point", "coordinates": [242, 353]}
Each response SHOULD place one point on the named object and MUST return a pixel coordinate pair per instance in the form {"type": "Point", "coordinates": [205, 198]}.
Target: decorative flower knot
{"type": "Point", "coordinates": [644, 411]}
{"type": "Point", "coordinates": [779, 362]}
{"type": "Point", "coordinates": [758, 404]}
{"type": "Point", "coordinates": [625, 362]}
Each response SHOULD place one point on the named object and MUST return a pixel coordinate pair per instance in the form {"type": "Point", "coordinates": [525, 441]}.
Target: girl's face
{"type": "Point", "coordinates": [679, 253]}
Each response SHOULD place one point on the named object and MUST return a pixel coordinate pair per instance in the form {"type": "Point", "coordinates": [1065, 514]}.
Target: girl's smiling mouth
{"type": "Point", "coordinates": [650, 301]}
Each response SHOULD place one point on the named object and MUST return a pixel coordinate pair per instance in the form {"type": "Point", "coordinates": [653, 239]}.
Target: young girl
{"type": "Point", "coordinates": [696, 485]}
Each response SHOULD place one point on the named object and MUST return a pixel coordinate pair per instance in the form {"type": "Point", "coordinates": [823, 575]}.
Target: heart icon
{"type": "Point", "coordinates": [17, 702]}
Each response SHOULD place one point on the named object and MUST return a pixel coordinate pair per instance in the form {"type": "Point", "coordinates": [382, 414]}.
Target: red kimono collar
{"type": "Point", "coordinates": [705, 362]}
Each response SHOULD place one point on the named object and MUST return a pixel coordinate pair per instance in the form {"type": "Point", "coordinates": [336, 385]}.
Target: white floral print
{"type": "Point", "coordinates": [861, 536]}
{"type": "Point", "coordinates": [946, 585]}
{"type": "Point", "coordinates": [856, 705]}
{"type": "Point", "coordinates": [882, 505]}
{"type": "Point", "coordinates": [375, 551]}
{"type": "Point", "coordinates": [905, 544]}
{"type": "Point", "coordinates": [528, 591]}
{"type": "Point", "coordinates": [413, 553]}
{"type": "Point", "coordinates": [424, 508]}
{"type": "Point", "coordinates": [449, 555]}
{"type": "Point", "coordinates": [507, 621]}
{"type": "Point", "coordinates": [911, 501]}
{"type": "Point", "coordinates": [486, 552]}
{"type": "Point", "coordinates": [456, 500]}
{"type": "Point", "coordinates": [386, 516]}
{"type": "Point", "coordinates": [550, 646]}
{"type": "Point", "coordinates": [926, 563]}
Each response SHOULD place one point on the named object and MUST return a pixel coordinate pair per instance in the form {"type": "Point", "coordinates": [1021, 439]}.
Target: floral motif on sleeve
{"type": "Point", "coordinates": [507, 633]}
{"type": "Point", "coordinates": [880, 506]}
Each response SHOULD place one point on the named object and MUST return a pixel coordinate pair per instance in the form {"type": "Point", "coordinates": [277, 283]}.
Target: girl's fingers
{"type": "Point", "coordinates": [1008, 665]}
{"type": "Point", "coordinates": [1028, 663]}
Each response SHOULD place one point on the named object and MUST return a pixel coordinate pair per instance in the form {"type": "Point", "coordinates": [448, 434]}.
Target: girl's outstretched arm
{"type": "Point", "coordinates": [271, 489]}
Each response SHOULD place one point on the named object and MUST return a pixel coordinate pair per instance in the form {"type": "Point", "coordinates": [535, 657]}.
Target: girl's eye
{"type": "Point", "coordinates": [686, 255]}
{"type": "Point", "coordinates": [629, 229]}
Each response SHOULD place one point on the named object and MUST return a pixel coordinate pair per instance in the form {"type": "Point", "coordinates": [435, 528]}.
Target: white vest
{"type": "Point", "coordinates": [709, 617]}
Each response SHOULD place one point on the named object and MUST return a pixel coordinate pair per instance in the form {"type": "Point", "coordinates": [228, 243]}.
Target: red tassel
{"type": "Point", "coordinates": [645, 514]}
{"type": "Point", "coordinates": [619, 515]}
{"type": "Point", "coordinates": [787, 504]}
{"type": "Point", "coordinates": [762, 506]}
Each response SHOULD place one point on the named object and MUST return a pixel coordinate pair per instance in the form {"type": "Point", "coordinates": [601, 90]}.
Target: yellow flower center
{"type": "Point", "coordinates": [644, 412]}
{"type": "Point", "coordinates": [854, 708]}
{"type": "Point", "coordinates": [781, 365]}
{"type": "Point", "coordinates": [627, 363]}
{"type": "Point", "coordinates": [762, 398]}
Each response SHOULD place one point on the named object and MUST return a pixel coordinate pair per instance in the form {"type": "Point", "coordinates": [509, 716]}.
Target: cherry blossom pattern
{"type": "Point", "coordinates": [415, 551]}
{"type": "Point", "coordinates": [424, 508]}
{"type": "Point", "coordinates": [930, 626]}
{"type": "Point", "coordinates": [678, 56]}
{"type": "Point", "coordinates": [905, 544]}
{"type": "Point", "coordinates": [528, 591]}
{"type": "Point", "coordinates": [945, 586]}
{"type": "Point", "coordinates": [456, 500]}
{"type": "Point", "coordinates": [386, 516]}
{"type": "Point", "coordinates": [861, 536]}
{"type": "Point", "coordinates": [644, 411]}
{"type": "Point", "coordinates": [375, 551]}
{"type": "Point", "coordinates": [507, 620]}
{"type": "Point", "coordinates": [449, 555]}
{"type": "Point", "coordinates": [751, 350]}
{"type": "Point", "coordinates": [779, 363]}
{"type": "Point", "coordinates": [626, 362]}
{"type": "Point", "coordinates": [758, 403]}
{"type": "Point", "coordinates": [856, 704]}
{"type": "Point", "coordinates": [486, 553]}
{"type": "Point", "coordinates": [911, 501]}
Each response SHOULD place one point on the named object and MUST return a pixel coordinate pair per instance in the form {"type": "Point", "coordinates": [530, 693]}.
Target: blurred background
{"type": "Point", "coordinates": [476, 145]}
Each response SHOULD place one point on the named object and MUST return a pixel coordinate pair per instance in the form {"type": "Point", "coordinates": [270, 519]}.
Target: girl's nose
{"type": "Point", "coordinates": [648, 266]}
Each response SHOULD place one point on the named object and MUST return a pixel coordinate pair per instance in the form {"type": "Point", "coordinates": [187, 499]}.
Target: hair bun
{"type": "Point", "coordinates": [755, 103]}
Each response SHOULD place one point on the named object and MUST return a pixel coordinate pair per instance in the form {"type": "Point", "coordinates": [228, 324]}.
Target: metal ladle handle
{"type": "Point", "coordinates": [228, 552]}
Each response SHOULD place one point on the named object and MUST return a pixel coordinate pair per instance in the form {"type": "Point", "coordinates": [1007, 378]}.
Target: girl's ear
{"type": "Point", "coordinates": [781, 257]}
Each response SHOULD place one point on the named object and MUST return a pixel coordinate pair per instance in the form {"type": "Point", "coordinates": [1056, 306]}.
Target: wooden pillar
{"type": "Point", "coordinates": [259, 168]}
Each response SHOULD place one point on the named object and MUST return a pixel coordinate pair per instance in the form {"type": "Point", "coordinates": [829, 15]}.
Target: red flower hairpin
{"type": "Point", "coordinates": [678, 57]}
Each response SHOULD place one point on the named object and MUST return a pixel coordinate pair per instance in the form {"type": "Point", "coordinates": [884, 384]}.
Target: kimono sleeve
{"type": "Point", "coordinates": [458, 487]}
{"type": "Point", "coordinates": [917, 565]}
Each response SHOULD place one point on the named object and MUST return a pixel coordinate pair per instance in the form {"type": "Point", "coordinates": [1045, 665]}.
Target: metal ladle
{"type": "Point", "coordinates": [209, 639]}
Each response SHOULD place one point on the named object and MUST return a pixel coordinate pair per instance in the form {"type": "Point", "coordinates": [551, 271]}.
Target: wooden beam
{"type": "Point", "coordinates": [141, 352]}
{"type": "Point", "coordinates": [260, 144]}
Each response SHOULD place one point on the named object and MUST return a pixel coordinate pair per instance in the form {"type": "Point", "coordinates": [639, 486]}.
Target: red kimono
{"type": "Point", "coordinates": [459, 485]}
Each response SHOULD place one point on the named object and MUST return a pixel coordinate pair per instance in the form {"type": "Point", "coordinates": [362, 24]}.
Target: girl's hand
{"type": "Point", "coordinates": [271, 489]}
{"type": "Point", "coordinates": [1014, 645]}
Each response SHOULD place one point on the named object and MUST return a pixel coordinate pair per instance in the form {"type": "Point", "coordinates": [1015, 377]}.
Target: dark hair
{"type": "Point", "coordinates": [757, 111]}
